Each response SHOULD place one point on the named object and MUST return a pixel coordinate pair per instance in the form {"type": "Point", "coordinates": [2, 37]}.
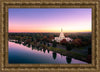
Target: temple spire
{"type": "Point", "coordinates": [61, 34]}
{"type": "Point", "coordinates": [61, 29]}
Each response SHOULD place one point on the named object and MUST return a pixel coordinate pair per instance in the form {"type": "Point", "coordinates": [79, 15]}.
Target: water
{"type": "Point", "coordinates": [20, 54]}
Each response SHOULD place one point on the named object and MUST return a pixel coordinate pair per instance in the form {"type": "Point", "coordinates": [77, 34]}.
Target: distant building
{"type": "Point", "coordinates": [61, 37]}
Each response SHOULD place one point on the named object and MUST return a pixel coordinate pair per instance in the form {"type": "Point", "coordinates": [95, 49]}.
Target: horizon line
{"type": "Point", "coordinates": [49, 32]}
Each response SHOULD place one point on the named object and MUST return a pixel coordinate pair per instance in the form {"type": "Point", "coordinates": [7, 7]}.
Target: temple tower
{"type": "Point", "coordinates": [61, 36]}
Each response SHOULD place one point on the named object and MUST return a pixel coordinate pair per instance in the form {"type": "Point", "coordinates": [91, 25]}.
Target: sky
{"type": "Point", "coordinates": [49, 19]}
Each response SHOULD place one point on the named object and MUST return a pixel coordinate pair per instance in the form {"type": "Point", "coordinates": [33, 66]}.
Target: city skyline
{"type": "Point", "coordinates": [50, 20]}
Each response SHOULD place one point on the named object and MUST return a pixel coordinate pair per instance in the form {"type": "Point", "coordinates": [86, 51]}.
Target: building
{"type": "Point", "coordinates": [61, 37]}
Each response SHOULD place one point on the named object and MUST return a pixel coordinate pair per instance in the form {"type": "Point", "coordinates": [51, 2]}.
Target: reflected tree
{"type": "Point", "coordinates": [48, 51]}
{"type": "Point", "coordinates": [54, 55]}
{"type": "Point", "coordinates": [32, 48]}
{"type": "Point", "coordinates": [68, 59]}
{"type": "Point", "coordinates": [61, 55]}
{"type": "Point", "coordinates": [44, 50]}
{"type": "Point", "coordinates": [24, 44]}
{"type": "Point", "coordinates": [40, 49]}
{"type": "Point", "coordinates": [19, 42]}
{"type": "Point", "coordinates": [29, 45]}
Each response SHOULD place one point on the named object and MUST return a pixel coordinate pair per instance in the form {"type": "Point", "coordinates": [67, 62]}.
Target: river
{"type": "Point", "coordinates": [20, 54]}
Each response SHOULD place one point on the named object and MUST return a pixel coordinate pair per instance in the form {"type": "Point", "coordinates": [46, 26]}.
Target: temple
{"type": "Point", "coordinates": [61, 37]}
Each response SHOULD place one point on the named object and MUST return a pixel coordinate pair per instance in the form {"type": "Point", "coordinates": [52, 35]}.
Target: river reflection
{"type": "Point", "coordinates": [20, 53]}
{"type": "Point", "coordinates": [44, 50]}
{"type": "Point", "coordinates": [48, 51]}
{"type": "Point", "coordinates": [54, 55]}
{"type": "Point", "coordinates": [68, 59]}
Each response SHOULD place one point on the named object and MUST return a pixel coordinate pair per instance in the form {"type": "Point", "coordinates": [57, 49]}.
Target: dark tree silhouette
{"type": "Point", "coordinates": [48, 51]}
{"type": "Point", "coordinates": [68, 59]}
{"type": "Point", "coordinates": [68, 47]}
{"type": "Point", "coordinates": [54, 56]}
{"type": "Point", "coordinates": [44, 50]}
{"type": "Point", "coordinates": [54, 44]}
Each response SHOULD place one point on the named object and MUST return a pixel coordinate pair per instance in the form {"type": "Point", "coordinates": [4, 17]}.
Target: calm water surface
{"type": "Point", "coordinates": [19, 53]}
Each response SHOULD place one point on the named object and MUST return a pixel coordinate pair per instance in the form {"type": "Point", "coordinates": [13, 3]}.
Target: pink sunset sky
{"type": "Point", "coordinates": [50, 20]}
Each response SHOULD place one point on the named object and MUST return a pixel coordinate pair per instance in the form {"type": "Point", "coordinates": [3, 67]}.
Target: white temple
{"type": "Point", "coordinates": [61, 37]}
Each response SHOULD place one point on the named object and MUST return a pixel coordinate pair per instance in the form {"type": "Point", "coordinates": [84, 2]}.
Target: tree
{"type": "Point", "coordinates": [51, 37]}
{"type": "Point", "coordinates": [40, 42]}
{"type": "Point", "coordinates": [77, 42]}
{"type": "Point", "coordinates": [28, 41]}
{"type": "Point", "coordinates": [68, 46]}
{"type": "Point", "coordinates": [45, 38]}
{"type": "Point", "coordinates": [63, 42]}
{"type": "Point", "coordinates": [48, 45]}
{"type": "Point", "coordinates": [32, 39]}
{"type": "Point", "coordinates": [44, 43]}
{"type": "Point", "coordinates": [54, 44]}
